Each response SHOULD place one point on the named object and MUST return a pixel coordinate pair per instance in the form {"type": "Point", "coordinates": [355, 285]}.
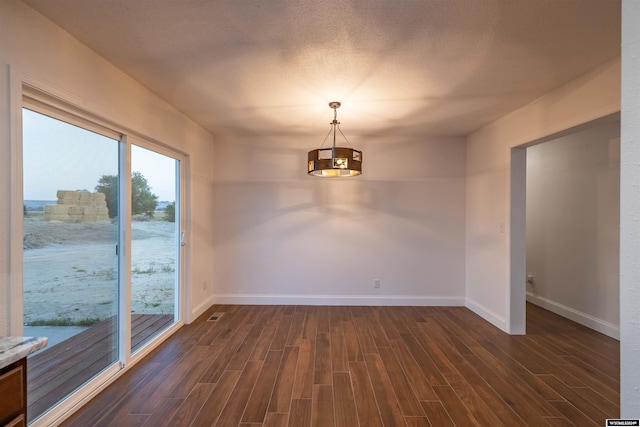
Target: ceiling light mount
{"type": "Point", "coordinates": [335, 161]}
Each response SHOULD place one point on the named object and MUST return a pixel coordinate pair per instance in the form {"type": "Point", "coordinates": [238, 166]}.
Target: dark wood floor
{"type": "Point", "coordinates": [366, 366]}
{"type": "Point", "coordinates": [59, 370]}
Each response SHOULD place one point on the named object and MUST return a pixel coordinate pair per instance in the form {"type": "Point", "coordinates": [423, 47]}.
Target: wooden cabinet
{"type": "Point", "coordinates": [13, 392]}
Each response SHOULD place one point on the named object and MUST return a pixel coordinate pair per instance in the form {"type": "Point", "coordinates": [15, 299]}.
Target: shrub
{"type": "Point", "coordinates": [170, 212]}
{"type": "Point", "coordinates": [143, 201]}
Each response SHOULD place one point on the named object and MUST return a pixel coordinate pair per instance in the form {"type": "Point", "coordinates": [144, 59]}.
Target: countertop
{"type": "Point", "coordinates": [13, 349]}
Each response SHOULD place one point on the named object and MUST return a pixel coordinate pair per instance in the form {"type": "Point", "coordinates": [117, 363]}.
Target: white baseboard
{"type": "Point", "coordinates": [365, 300]}
{"type": "Point", "coordinates": [488, 315]}
{"type": "Point", "coordinates": [584, 319]}
{"type": "Point", "coordinates": [200, 309]}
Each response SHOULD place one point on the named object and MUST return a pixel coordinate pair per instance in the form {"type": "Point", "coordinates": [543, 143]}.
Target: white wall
{"type": "Point", "coordinates": [282, 236]}
{"type": "Point", "coordinates": [489, 293]}
{"type": "Point", "coordinates": [630, 212]}
{"type": "Point", "coordinates": [36, 47]}
{"type": "Point", "coordinates": [573, 226]}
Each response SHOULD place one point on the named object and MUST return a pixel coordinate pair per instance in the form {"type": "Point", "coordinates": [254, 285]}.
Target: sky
{"type": "Point", "coordinates": [60, 156]}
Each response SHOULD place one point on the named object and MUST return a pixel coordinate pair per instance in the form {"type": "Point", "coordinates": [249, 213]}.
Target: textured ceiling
{"type": "Point", "coordinates": [399, 67]}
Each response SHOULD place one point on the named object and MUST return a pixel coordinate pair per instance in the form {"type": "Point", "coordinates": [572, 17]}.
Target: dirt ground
{"type": "Point", "coordinates": [70, 269]}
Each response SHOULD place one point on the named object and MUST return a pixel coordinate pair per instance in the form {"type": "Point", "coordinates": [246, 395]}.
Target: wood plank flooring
{"type": "Point", "coordinates": [301, 366]}
{"type": "Point", "coordinates": [61, 369]}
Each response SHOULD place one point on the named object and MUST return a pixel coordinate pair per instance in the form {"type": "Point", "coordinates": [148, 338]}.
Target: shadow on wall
{"type": "Point", "coordinates": [420, 183]}
{"type": "Point", "coordinates": [280, 231]}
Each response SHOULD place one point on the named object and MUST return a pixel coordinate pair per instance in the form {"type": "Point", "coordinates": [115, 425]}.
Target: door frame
{"type": "Point", "coordinates": [19, 84]}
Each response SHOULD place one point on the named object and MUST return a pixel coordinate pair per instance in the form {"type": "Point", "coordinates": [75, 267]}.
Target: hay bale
{"type": "Point", "coordinates": [67, 197]}
{"type": "Point", "coordinates": [56, 213]}
{"type": "Point", "coordinates": [78, 206]}
{"type": "Point", "coordinates": [102, 211]}
{"type": "Point", "coordinates": [56, 209]}
{"type": "Point", "coordinates": [89, 213]}
{"type": "Point", "coordinates": [63, 194]}
{"type": "Point", "coordinates": [56, 217]}
{"type": "Point", "coordinates": [76, 210]}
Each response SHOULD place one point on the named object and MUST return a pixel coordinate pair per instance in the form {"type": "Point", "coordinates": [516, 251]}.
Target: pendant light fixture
{"type": "Point", "coordinates": [335, 161]}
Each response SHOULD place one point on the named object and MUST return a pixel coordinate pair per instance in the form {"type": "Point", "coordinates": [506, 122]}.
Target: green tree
{"type": "Point", "coordinates": [170, 212]}
{"type": "Point", "coordinates": [108, 184]}
{"type": "Point", "coordinates": [143, 201]}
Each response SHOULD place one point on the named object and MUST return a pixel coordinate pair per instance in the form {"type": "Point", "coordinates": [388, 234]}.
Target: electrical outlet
{"type": "Point", "coordinates": [204, 285]}
{"type": "Point", "coordinates": [530, 278]}
{"type": "Point", "coordinates": [376, 283]}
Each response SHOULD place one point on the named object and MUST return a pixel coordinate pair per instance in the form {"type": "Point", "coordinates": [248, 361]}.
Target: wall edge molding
{"type": "Point", "coordinates": [488, 315]}
{"type": "Point", "coordinates": [200, 309]}
{"type": "Point", "coordinates": [584, 319]}
{"type": "Point", "coordinates": [366, 300]}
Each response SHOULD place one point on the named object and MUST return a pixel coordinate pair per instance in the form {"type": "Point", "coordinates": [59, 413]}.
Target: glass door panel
{"type": "Point", "coordinates": [155, 244]}
{"type": "Point", "coordinates": [70, 177]}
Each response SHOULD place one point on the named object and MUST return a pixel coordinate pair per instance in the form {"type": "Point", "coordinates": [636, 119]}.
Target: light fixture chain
{"type": "Point", "coordinates": [334, 133]}
{"type": "Point", "coordinates": [325, 138]}
{"type": "Point", "coordinates": [345, 138]}
{"type": "Point", "coordinates": [334, 123]}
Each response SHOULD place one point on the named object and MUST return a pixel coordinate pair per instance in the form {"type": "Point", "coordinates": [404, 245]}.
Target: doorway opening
{"type": "Point", "coordinates": [565, 225]}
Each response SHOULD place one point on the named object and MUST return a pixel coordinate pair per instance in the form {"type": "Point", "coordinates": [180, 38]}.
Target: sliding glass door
{"type": "Point", "coordinates": [155, 244]}
{"type": "Point", "coordinates": [101, 253]}
{"type": "Point", "coordinates": [70, 261]}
